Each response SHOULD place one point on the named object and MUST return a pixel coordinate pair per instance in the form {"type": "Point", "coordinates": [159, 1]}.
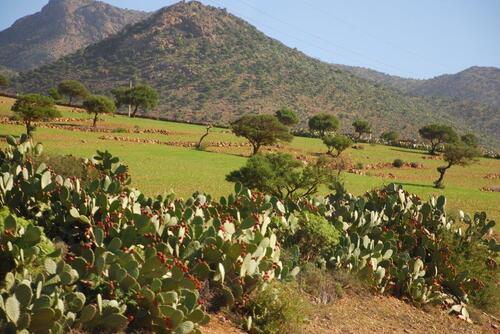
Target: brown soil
{"type": "Point", "coordinates": [220, 325]}
{"type": "Point", "coordinates": [383, 314]}
{"type": "Point", "coordinates": [367, 313]}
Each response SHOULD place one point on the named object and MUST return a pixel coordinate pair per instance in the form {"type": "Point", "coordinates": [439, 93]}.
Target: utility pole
{"type": "Point", "coordinates": [130, 106]}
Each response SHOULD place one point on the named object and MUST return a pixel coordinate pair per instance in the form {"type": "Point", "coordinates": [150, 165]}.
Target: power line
{"type": "Point", "coordinates": [374, 37]}
{"type": "Point", "coordinates": [329, 51]}
{"type": "Point", "coordinates": [358, 54]}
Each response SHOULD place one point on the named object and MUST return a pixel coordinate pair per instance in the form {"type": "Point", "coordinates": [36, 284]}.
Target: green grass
{"type": "Point", "coordinates": [159, 168]}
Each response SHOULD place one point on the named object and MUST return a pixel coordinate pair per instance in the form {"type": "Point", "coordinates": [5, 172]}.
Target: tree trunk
{"type": "Point", "coordinates": [255, 149]}
{"type": "Point", "coordinates": [203, 137]}
{"type": "Point", "coordinates": [442, 171]}
{"type": "Point", "coordinates": [28, 128]}
{"type": "Point", "coordinates": [70, 100]}
{"type": "Point", "coordinates": [434, 147]}
{"type": "Point", "coordinates": [135, 111]}
{"type": "Point", "coordinates": [95, 120]}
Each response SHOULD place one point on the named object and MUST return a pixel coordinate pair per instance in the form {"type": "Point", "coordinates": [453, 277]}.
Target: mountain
{"type": "Point", "coordinates": [211, 66]}
{"type": "Point", "coordinates": [479, 84]}
{"type": "Point", "coordinates": [60, 28]}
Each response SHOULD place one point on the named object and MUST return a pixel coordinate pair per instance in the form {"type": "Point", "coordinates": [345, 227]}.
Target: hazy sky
{"type": "Point", "coordinates": [409, 38]}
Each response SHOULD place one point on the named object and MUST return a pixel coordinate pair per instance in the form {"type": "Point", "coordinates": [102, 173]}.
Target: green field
{"type": "Point", "coordinates": [157, 168]}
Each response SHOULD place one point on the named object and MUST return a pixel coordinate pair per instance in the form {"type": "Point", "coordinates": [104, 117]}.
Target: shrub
{"type": "Point", "coordinates": [338, 143]}
{"type": "Point", "coordinates": [398, 163]}
{"type": "Point", "coordinates": [320, 283]}
{"type": "Point", "coordinates": [316, 237]}
{"type": "Point", "coordinates": [278, 308]}
{"type": "Point", "coordinates": [360, 165]}
{"type": "Point", "coordinates": [68, 166]}
{"type": "Point", "coordinates": [283, 176]}
{"type": "Point", "coordinates": [120, 130]}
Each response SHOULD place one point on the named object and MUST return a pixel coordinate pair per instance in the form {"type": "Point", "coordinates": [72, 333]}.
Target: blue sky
{"type": "Point", "coordinates": [419, 39]}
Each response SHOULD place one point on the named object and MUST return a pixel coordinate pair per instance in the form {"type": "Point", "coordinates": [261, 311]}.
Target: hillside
{"type": "Point", "coordinates": [210, 66]}
{"type": "Point", "coordinates": [479, 84]}
{"type": "Point", "coordinates": [60, 28]}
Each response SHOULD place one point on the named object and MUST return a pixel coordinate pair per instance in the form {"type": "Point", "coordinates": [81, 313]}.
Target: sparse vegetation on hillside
{"type": "Point", "coordinates": [60, 28]}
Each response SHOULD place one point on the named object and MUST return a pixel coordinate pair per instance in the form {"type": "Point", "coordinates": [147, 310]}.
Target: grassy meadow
{"type": "Point", "coordinates": [156, 168]}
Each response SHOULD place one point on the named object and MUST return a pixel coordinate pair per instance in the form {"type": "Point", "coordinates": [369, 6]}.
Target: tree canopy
{"type": "Point", "coordinates": [361, 127]}
{"type": "Point", "coordinates": [287, 117]}
{"type": "Point", "coordinates": [438, 134]}
{"type": "Point", "coordinates": [457, 153]}
{"type": "Point", "coordinates": [283, 176]}
{"type": "Point", "coordinates": [261, 130]}
{"type": "Point", "coordinates": [33, 108]}
{"type": "Point", "coordinates": [323, 123]}
{"type": "Point", "coordinates": [98, 104]}
{"type": "Point", "coordinates": [338, 143]}
{"type": "Point", "coordinates": [390, 137]}
{"type": "Point", "coordinates": [470, 139]}
{"type": "Point", "coordinates": [54, 94]}
{"type": "Point", "coordinates": [142, 97]}
{"type": "Point", "coordinates": [73, 89]}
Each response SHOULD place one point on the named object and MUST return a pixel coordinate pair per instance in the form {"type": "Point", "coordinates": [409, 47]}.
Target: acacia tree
{"type": "Point", "coordinates": [261, 130]}
{"type": "Point", "coordinates": [287, 117]}
{"type": "Point", "coordinates": [198, 146]}
{"type": "Point", "coordinates": [323, 123]}
{"type": "Point", "coordinates": [98, 104]}
{"type": "Point", "coordinates": [361, 127]}
{"type": "Point", "coordinates": [338, 143]}
{"type": "Point", "coordinates": [390, 137]}
{"type": "Point", "coordinates": [72, 89]}
{"type": "Point", "coordinates": [438, 134]}
{"type": "Point", "coordinates": [33, 108]}
{"type": "Point", "coordinates": [283, 176]}
{"type": "Point", "coordinates": [459, 154]}
{"type": "Point", "coordinates": [142, 97]}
